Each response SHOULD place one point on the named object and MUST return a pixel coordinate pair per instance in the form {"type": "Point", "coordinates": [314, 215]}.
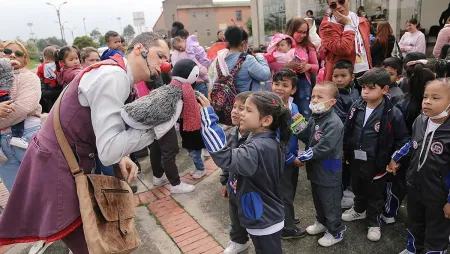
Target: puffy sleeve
{"type": "Point", "coordinates": [337, 42]}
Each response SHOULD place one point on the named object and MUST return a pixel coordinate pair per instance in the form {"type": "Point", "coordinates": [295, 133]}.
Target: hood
{"type": "Point", "coordinates": [277, 38]}
{"type": "Point", "coordinates": [192, 41]}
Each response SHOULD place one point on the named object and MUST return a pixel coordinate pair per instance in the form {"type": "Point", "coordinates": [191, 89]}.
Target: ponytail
{"type": "Point", "coordinates": [62, 53]}
{"type": "Point", "coordinates": [56, 55]}
{"type": "Point", "coordinates": [285, 128]}
{"type": "Point", "coordinates": [417, 80]}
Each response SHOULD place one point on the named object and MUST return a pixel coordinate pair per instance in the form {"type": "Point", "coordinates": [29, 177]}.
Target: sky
{"type": "Point", "coordinates": [101, 14]}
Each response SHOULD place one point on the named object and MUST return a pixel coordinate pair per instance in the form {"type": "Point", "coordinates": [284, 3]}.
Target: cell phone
{"type": "Point", "coordinates": [298, 59]}
{"type": "Point", "coordinates": [299, 125]}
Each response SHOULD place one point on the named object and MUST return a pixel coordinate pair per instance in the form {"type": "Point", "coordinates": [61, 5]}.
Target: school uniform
{"type": "Point", "coordinates": [258, 164]}
{"type": "Point", "coordinates": [370, 138]}
{"type": "Point", "coordinates": [428, 182]}
{"type": "Point", "coordinates": [323, 138]}
{"type": "Point", "coordinates": [395, 93]}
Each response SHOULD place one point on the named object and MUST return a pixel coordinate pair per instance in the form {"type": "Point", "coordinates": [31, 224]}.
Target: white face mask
{"type": "Point", "coordinates": [318, 108]}
{"type": "Point", "coordinates": [441, 115]}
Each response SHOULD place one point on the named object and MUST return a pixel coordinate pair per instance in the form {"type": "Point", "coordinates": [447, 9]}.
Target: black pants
{"type": "Point", "coordinates": [327, 201]}
{"type": "Point", "coordinates": [48, 98]}
{"type": "Point", "coordinates": [267, 244]}
{"type": "Point", "coordinates": [163, 153]}
{"type": "Point", "coordinates": [288, 186]}
{"type": "Point", "coordinates": [395, 190]}
{"type": "Point", "coordinates": [238, 234]}
{"type": "Point", "coordinates": [368, 192]}
{"type": "Point", "coordinates": [428, 229]}
{"type": "Point", "coordinates": [346, 175]}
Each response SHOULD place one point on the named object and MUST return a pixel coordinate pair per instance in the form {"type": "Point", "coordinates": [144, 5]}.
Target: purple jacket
{"type": "Point", "coordinates": [197, 53]}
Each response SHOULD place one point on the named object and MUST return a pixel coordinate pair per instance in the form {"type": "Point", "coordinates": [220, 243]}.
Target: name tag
{"type": "Point", "coordinates": [360, 155]}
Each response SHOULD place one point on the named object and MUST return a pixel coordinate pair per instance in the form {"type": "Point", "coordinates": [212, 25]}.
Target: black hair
{"type": "Point", "coordinates": [286, 74]}
{"type": "Point", "coordinates": [270, 104]}
{"type": "Point", "coordinates": [395, 63]}
{"type": "Point", "coordinates": [122, 39]}
{"type": "Point", "coordinates": [288, 24]}
{"type": "Point", "coordinates": [218, 32]}
{"type": "Point", "coordinates": [235, 35]}
{"type": "Point", "coordinates": [344, 64]}
{"type": "Point", "coordinates": [178, 30]}
{"type": "Point", "coordinates": [243, 96]}
{"type": "Point", "coordinates": [289, 41]}
{"type": "Point", "coordinates": [310, 12]}
{"type": "Point", "coordinates": [62, 53]}
{"type": "Point", "coordinates": [413, 56]}
{"type": "Point", "coordinates": [440, 67]}
{"type": "Point", "coordinates": [414, 22]}
{"type": "Point", "coordinates": [110, 34]}
{"type": "Point", "coordinates": [376, 76]}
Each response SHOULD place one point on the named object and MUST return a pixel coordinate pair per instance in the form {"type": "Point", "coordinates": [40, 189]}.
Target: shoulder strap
{"type": "Point", "coordinates": [238, 65]}
{"type": "Point", "coordinates": [399, 51]}
{"type": "Point", "coordinates": [62, 140]}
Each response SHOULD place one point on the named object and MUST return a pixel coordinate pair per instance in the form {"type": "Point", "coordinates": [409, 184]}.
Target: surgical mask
{"type": "Point", "coordinates": [318, 108]}
{"type": "Point", "coordinates": [378, 13]}
{"type": "Point", "coordinates": [441, 115]}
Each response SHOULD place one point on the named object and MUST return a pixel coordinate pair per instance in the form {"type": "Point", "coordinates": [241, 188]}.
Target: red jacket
{"type": "Point", "coordinates": [340, 45]}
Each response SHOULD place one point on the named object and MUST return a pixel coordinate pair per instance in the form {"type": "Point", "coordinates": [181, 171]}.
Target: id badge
{"type": "Point", "coordinates": [299, 125]}
{"type": "Point", "coordinates": [360, 155]}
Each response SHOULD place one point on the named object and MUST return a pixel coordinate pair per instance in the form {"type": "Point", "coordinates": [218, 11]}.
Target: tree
{"type": "Point", "coordinates": [101, 40]}
{"type": "Point", "coordinates": [41, 43]}
{"type": "Point", "coordinates": [32, 50]}
{"type": "Point", "coordinates": [128, 32]}
{"type": "Point", "coordinates": [248, 24]}
{"type": "Point", "coordinates": [84, 41]}
{"type": "Point", "coordinates": [95, 34]}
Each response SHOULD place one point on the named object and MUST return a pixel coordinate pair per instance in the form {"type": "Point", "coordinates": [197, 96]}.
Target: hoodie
{"type": "Point", "coordinates": [110, 52]}
{"type": "Point", "coordinates": [277, 59]}
{"type": "Point", "coordinates": [442, 39]}
{"type": "Point", "coordinates": [66, 75]}
{"type": "Point", "coordinates": [197, 53]}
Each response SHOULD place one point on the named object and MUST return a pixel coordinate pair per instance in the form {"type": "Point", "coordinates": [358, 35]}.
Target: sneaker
{"type": "Point", "coordinates": [3, 157]}
{"type": "Point", "coordinates": [351, 215]}
{"type": "Point", "coordinates": [296, 220]}
{"type": "Point", "coordinates": [328, 239]}
{"type": "Point", "coordinates": [39, 247]}
{"type": "Point", "coordinates": [387, 220]}
{"type": "Point", "coordinates": [347, 202]}
{"type": "Point", "coordinates": [315, 229]}
{"type": "Point", "coordinates": [374, 234]}
{"type": "Point", "coordinates": [160, 181]}
{"type": "Point", "coordinates": [349, 194]}
{"type": "Point", "coordinates": [235, 248]}
{"type": "Point", "coordinates": [18, 142]}
{"type": "Point", "coordinates": [199, 174]}
{"type": "Point", "coordinates": [406, 251]}
{"type": "Point", "coordinates": [182, 188]}
{"type": "Point", "coordinates": [293, 233]}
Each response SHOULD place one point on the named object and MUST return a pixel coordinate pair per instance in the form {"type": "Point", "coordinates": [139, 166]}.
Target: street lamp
{"type": "Point", "coordinates": [120, 24]}
{"type": "Point", "coordinates": [59, 18]}
{"type": "Point", "coordinates": [31, 30]}
{"type": "Point", "coordinates": [84, 23]}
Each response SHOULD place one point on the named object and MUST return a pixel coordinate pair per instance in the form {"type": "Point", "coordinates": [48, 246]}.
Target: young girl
{"type": "Point", "coordinates": [428, 176]}
{"type": "Point", "coordinates": [88, 56]}
{"type": "Point", "coordinates": [68, 64]}
{"type": "Point", "coordinates": [280, 51]}
{"type": "Point", "coordinates": [258, 164]}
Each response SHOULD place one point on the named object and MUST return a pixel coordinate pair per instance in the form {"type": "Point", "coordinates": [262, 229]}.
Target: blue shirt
{"type": "Point", "coordinates": [110, 52]}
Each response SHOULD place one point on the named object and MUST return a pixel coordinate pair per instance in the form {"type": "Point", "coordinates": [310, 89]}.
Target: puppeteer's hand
{"type": "Point", "coordinates": [204, 102]}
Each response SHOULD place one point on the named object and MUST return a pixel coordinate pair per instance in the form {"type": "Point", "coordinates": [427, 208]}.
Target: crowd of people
{"type": "Point", "coordinates": [371, 110]}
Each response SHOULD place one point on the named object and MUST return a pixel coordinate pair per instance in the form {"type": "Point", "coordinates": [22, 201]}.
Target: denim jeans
{"type": "Point", "coordinates": [202, 88]}
{"type": "Point", "coordinates": [196, 156]}
{"type": "Point", "coordinates": [17, 129]}
{"type": "Point", "coordinates": [303, 97]}
{"type": "Point", "coordinates": [9, 169]}
{"type": "Point", "coordinates": [100, 168]}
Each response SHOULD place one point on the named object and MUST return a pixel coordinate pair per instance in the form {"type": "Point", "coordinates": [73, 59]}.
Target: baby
{"type": "Point", "coordinates": [281, 51]}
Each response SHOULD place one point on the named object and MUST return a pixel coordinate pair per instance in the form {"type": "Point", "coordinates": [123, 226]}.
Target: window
{"type": "Point", "coordinates": [207, 14]}
{"type": "Point", "coordinates": [208, 32]}
{"type": "Point", "coordinates": [239, 15]}
{"type": "Point", "coordinates": [193, 14]}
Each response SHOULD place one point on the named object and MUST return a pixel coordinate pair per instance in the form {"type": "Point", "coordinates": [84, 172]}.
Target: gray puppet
{"type": "Point", "coordinates": [6, 75]}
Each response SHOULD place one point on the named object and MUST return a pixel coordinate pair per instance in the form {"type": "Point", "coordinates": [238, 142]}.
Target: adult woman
{"type": "Point", "coordinates": [413, 40]}
{"type": "Point", "coordinates": [299, 30]}
{"type": "Point", "coordinates": [26, 93]}
{"type": "Point", "coordinates": [346, 37]}
{"type": "Point", "coordinates": [88, 56]}
{"type": "Point", "coordinates": [220, 36]}
{"type": "Point", "coordinates": [383, 44]}
{"type": "Point", "coordinates": [362, 12]}
{"type": "Point", "coordinates": [442, 39]}
{"type": "Point", "coordinates": [43, 204]}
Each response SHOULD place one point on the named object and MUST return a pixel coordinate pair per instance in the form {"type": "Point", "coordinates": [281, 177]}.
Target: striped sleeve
{"type": "Point", "coordinates": [402, 152]}
{"type": "Point", "coordinates": [306, 155]}
{"type": "Point", "coordinates": [212, 134]}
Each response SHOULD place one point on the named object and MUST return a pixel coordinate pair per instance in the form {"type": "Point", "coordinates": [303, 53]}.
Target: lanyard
{"type": "Point", "coordinates": [423, 146]}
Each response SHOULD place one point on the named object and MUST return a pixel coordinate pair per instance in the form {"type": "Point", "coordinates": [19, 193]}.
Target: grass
{"type": "Point", "coordinates": [33, 64]}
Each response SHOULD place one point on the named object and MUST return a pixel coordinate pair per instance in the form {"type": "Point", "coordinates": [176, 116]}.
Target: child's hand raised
{"type": "Point", "coordinates": [297, 116]}
{"type": "Point", "coordinates": [392, 167]}
{"type": "Point", "coordinates": [203, 101]}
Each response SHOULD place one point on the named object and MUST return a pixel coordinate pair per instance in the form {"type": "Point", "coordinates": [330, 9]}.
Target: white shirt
{"type": "Point", "coordinates": [367, 115]}
{"type": "Point", "coordinates": [432, 126]}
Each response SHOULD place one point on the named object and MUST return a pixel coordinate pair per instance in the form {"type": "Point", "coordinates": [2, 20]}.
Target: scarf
{"type": "Point", "coordinates": [191, 109]}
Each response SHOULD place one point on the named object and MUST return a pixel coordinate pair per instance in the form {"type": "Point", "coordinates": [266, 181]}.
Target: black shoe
{"type": "Point", "coordinates": [293, 233]}
{"type": "Point", "coordinates": [296, 220]}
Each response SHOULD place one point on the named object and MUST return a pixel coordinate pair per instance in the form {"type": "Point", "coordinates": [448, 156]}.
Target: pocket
{"type": "Point", "coordinates": [252, 205]}
{"type": "Point", "coordinates": [42, 151]}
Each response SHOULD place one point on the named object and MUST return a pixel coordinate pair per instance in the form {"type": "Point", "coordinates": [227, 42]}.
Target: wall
{"type": "Point", "coordinates": [160, 25]}
{"type": "Point", "coordinates": [432, 12]}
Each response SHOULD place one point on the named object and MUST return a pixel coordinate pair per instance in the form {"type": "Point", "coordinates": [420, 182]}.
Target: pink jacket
{"type": "Point", "coordinates": [442, 39]}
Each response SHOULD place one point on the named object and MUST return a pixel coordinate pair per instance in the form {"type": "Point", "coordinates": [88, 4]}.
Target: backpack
{"type": "Point", "coordinates": [224, 91]}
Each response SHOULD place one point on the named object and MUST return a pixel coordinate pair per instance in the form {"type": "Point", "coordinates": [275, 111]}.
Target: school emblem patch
{"type": "Point", "coordinates": [317, 127]}
{"type": "Point", "coordinates": [318, 135]}
{"type": "Point", "coordinates": [377, 127]}
{"type": "Point", "coordinates": [352, 112]}
{"type": "Point", "coordinates": [415, 145]}
{"type": "Point", "coordinates": [437, 147]}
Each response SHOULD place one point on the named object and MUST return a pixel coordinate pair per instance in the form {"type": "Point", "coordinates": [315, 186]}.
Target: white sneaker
{"type": "Point", "coordinates": [18, 142]}
{"type": "Point", "coordinates": [235, 248]}
{"type": "Point", "coordinates": [3, 157]}
{"type": "Point", "coordinates": [374, 234]}
{"type": "Point", "coordinates": [39, 247]}
{"type": "Point", "coordinates": [347, 202]}
{"type": "Point", "coordinates": [351, 215]}
{"type": "Point", "coordinates": [406, 251]}
{"type": "Point", "coordinates": [160, 181]}
{"type": "Point", "coordinates": [199, 174]}
{"type": "Point", "coordinates": [182, 188]}
{"type": "Point", "coordinates": [328, 239]}
{"type": "Point", "coordinates": [315, 229]}
{"type": "Point", "coordinates": [349, 194]}
{"type": "Point", "coordinates": [387, 220]}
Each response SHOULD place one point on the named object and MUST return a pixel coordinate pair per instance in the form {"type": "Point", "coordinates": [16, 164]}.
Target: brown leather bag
{"type": "Point", "coordinates": [106, 204]}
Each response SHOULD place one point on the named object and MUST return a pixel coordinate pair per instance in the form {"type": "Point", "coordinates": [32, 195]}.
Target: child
{"type": "Point", "coordinates": [68, 64]}
{"type": "Point", "coordinates": [113, 41]}
{"type": "Point", "coordinates": [323, 157]}
{"type": "Point", "coordinates": [285, 85]}
{"type": "Point", "coordinates": [123, 45]}
{"type": "Point", "coordinates": [258, 162]}
{"type": "Point", "coordinates": [280, 51]}
{"type": "Point", "coordinates": [343, 77]}
{"type": "Point", "coordinates": [88, 56]}
{"type": "Point", "coordinates": [394, 66]}
{"type": "Point", "coordinates": [428, 203]}
{"type": "Point", "coordinates": [236, 136]}
{"type": "Point", "coordinates": [373, 131]}
{"type": "Point", "coordinates": [47, 74]}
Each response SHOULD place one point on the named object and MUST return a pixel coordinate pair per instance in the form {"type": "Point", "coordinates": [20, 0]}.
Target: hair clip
{"type": "Point", "coordinates": [275, 103]}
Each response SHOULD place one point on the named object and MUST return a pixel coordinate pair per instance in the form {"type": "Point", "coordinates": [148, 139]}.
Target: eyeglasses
{"type": "Point", "coordinates": [17, 53]}
{"type": "Point", "coordinates": [333, 5]}
{"type": "Point", "coordinates": [302, 32]}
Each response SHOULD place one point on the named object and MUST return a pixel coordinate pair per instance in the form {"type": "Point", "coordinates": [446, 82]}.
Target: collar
{"type": "Point", "coordinates": [266, 134]}
{"type": "Point", "coordinates": [393, 85]}
{"type": "Point", "coordinates": [319, 116]}
{"type": "Point", "coordinates": [348, 89]}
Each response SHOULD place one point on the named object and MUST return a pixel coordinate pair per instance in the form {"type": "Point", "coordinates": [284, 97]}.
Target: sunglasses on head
{"type": "Point", "coordinates": [333, 5]}
{"type": "Point", "coordinates": [17, 53]}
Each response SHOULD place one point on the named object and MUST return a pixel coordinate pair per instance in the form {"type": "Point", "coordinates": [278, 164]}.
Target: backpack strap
{"type": "Point", "coordinates": [235, 69]}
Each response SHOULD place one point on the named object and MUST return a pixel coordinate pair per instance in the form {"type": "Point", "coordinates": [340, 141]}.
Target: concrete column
{"type": "Point", "coordinates": [293, 9]}
{"type": "Point", "coordinates": [394, 16]}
